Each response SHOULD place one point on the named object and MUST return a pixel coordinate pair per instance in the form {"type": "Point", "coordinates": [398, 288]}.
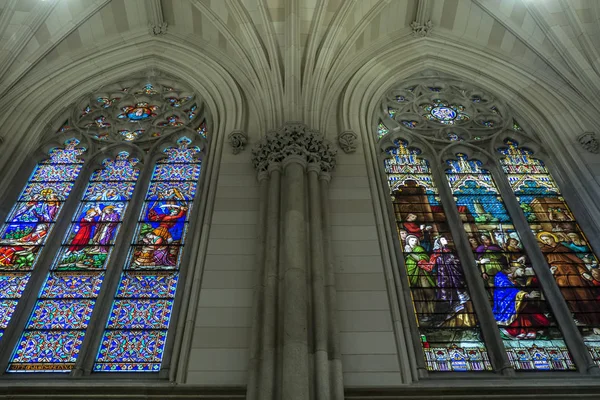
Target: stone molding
{"type": "Point", "coordinates": [293, 139]}
{"type": "Point", "coordinates": [347, 141]}
{"type": "Point", "coordinates": [589, 141]}
{"type": "Point", "coordinates": [238, 141]}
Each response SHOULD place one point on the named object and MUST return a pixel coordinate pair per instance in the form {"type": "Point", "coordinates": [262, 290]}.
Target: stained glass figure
{"type": "Point", "coordinates": [571, 260]}
{"type": "Point", "coordinates": [57, 324]}
{"type": "Point", "coordinates": [137, 326]}
{"type": "Point", "coordinates": [138, 112]}
{"type": "Point", "coordinates": [527, 326]}
{"type": "Point", "coordinates": [444, 112]}
{"type": "Point", "coordinates": [450, 335]}
{"type": "Point", "coordinates": [129, 135]}
{"type": "Point", "coordinates": [29, 224]}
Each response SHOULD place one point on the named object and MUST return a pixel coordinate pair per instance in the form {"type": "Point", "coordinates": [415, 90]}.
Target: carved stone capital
{"type": "Point", "coordinates": [158, 28]}
{"type": "Point", "coordinates": [237, 140]}
{"type": "Point", "coordinates": [589, 141]}
{"type": "Point", "coordinates": [293, 139]}
{"type": "Point", "coordinates": [347, 141]}
{"type": "Point", "coordinates": [421, 29]}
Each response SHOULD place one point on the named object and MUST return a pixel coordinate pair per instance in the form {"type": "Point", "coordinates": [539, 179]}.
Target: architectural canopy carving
{"type": "Point", "coordinates": [293, 139]}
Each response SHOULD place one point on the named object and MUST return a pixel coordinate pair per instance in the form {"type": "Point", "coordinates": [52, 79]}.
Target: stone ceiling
{"type": "Point", "coordinates": [285, 49]}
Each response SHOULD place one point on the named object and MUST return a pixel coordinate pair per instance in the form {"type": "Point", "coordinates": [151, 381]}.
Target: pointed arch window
{"type": "Point", "coordinates": [136, 331]}
{"type": "Point", "coordinates": [448, 327]}
{"type": "Point", "coordinates": [56, 328]}
{"type": "Point", "coordinates": [71, 323]}
{"type": "Point", "coordinates": [570, 257]}
{"type": "Point", "coordinates": [527, 325]}
{"type": "Point", "coordinates": [31, 222]}
{"type": "Point", "coordinates": [520, 288]}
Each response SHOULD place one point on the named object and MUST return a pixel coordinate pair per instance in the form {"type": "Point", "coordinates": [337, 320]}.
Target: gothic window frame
{"type": "Point", "coordinates": [432, 137]}
{"type": "Point", "coordinates": [149, 150]}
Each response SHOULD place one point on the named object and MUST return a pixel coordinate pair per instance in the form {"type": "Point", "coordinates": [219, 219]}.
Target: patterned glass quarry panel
{"type": "Point", "coordinates": [57, 325]}
{"type": "Point", "coordinates": [527, 326]}
{"type": "Point", "coordinates": [136, 331]}
{"type": "Point", "coordinates": [567, 251]}
{"type": "Point", "coordinates": [450, 334]}
{"type": "Point", "coordinates": [30, 222]}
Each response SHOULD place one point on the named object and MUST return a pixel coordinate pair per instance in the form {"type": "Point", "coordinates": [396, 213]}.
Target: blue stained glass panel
{"type": "Point", "coordinates": [68, 285]}
{"type": "Point", "coordinates": [46, 351]}
{"type": "Point", "coordinates": [12, 285]}
{"type": "Point", "coordinates": [141, 284]}
{"type": "Point", "coordinates": [31, 220]}
{"type": "Point", "coordinates": [61, 314]}
{"type": "Point", "coordinates": [568, 253]}
{"type": "Point", "coordinates": [140, 314]}
{"type": "Point", "coordinates": [527, 327]}
{"type": "Point", "coordinates": [141, 311]}
{"type": "Point", "coordinates": [7, 308]}
{"type": "Point", "coordinates": [131, 351]}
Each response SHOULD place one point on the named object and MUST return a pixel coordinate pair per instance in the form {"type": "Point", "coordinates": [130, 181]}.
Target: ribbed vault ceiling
{"type": "Point", "coordinates": [290, 51]}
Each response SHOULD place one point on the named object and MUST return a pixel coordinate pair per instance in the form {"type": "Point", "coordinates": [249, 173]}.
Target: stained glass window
{"type": "Point", "coordinates": [444, 112]}
{"type": "Point", "coordinates": [566, 249]}
{"type": "Point", "coordinates": [54, 333]}
{"type": "Point", "coordinates": [136, 332]}
{"type": "Point", "coordinates": [450, 335]}
{"type": "Point", "coordinates": [527, 325]}
{"type": "Point", "coordinates": [31, 220]}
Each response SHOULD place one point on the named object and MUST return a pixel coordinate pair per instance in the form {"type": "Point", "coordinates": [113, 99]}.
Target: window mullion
{"type": "Point", "coordinates": [50, 248]}
{"type": "Point", "coordinates": [480, 299]}
{"type": "Point", "coordinates": [90, 344]}
{"type": "Point", "coordinates": [563, 316]}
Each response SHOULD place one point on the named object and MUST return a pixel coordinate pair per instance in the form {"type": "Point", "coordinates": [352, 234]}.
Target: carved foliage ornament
{"type": "Point", "coordinates": [347, 141]}
{"type": "Point", "coordinates": [589, 141]}
{"type": "Point", "coordinates": [237, 140]}
{"type": "Point", "coordinates": [293, 139]}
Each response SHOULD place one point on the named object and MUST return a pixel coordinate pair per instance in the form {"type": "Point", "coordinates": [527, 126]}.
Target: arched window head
{"type": "Point", "coordinates": [137, 110]}
{"type": "Point", "coordinates": [57, 326]}
{"type": "Point", "coordinates": [569, 255]}
{"type": "Point", "coordinates": [32, 220]}
{"type": "Point", "coordinates": [449, 331]}
{"type": "Point", "coordinates": [136, 332]}
{"type": "Point", "coordinates": [444, 111]}
{"type": "Point", "coordinates": [527, 325]}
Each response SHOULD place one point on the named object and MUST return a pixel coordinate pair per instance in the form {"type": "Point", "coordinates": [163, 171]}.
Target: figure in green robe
{"type": "Point", "coordinates": [421, 279]}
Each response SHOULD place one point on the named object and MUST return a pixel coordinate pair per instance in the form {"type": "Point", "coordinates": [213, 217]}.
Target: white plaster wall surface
{"type": "Point", "coordinates": [219, 351]}
{"type": "Point", "coordinates": [369, 353]}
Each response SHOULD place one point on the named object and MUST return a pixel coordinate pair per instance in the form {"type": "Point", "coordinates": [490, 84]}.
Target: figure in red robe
{"type": "Point", "coordinates": [86, 228]}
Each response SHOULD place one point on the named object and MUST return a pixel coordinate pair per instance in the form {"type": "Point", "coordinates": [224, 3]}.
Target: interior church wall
{"type": "Point", "coordinates": [221, 334]}
{"type": "Point", "coordinates": [368, 346]}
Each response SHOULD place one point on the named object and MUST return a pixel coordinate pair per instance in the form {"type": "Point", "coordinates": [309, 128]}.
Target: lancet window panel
{"type": "Point", "coordinates": [568, 253]}
{"type": "Point", "coordinates": [527, 326]}
{"type": "Point", "coordinates": [31, 221]}
{"type": "Point", "coordinates": [449, 330]}
{"type": "Point", "coordinates": [136, 332]}
{"type": "Point", "coordinates": [54, 333]}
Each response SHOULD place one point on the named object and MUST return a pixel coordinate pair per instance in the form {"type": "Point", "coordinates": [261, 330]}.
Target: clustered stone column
{"type": "Point", "coordinates": [295, 339]}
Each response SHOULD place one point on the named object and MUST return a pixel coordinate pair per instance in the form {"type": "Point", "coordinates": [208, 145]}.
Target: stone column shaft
{"type": "Point", "coordinates": [295, 382]}
{"type": "Point", "coordinates": [333, 333]}
{"type": "Point", "coordinates": [296, 303]}
{"type": "Point", "coordinates": [321, 363]}
{"type": "Point", "coordinates": [271, 281]}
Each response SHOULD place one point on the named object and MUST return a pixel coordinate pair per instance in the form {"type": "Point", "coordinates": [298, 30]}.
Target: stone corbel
{"type": "Point", "coordinates": [238, 141]}
{"type": "Point", "coordinates": [421, 29]}
{"type": "Point", "coordinates": [347, 141]}
{"type": "Point", "coordinates": [589, 142]}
